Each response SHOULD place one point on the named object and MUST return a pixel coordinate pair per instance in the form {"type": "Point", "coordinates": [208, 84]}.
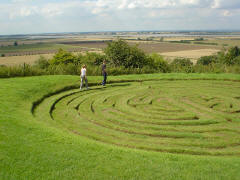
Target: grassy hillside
{"type": "Point", "coordinates": [35, 146]}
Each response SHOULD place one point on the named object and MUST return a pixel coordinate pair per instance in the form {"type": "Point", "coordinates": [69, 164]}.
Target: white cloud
{"type": "Point", "coordinates": [123, 4]}
{"type": "Point", "coordinates": [131, 4]}
{"type": "Point", "coordinates": [21, 1]}
{"type": "Point", "coordinates": [46, 10]}
{"type": "Point", "coordinates": [24, 11]}
{"type": "Point", "coordinates": [226, 4]}
{"type": "Point", "coordinates": [50, 11]}
{"type": "Point", "coordinates": [20, 8]}
{"type": "Point", "coordinates": [94, 15]}
{"type": "Point", "coordinates": [227, 13]}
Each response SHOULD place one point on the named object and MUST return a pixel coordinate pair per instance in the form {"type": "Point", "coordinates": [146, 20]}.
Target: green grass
{"type": "Point", "coordinates": [97, 146]}
{"type": "Point", "coordinates": [34, 47]}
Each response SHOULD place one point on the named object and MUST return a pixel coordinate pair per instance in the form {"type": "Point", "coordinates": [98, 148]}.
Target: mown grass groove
{"type": "Point", "coordinates": [167, 117]}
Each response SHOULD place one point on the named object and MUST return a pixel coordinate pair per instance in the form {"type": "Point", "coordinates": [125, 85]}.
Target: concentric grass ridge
{"type": "Point", "coordinates": [177, 116]}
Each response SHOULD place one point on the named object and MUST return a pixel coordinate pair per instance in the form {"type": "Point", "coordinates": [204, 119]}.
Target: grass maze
{"type": "Point", "coordinates": [197, 117]}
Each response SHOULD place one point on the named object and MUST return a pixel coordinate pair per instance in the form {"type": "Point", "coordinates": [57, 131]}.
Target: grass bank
{"type": "Point", "coordinates": [34, 149]}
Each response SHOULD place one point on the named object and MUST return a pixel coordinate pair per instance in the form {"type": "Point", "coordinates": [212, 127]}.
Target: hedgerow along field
{"type": "Point", "coordinates": [29, 53]}
{"type": "Point", "coordinates": [161, 126]}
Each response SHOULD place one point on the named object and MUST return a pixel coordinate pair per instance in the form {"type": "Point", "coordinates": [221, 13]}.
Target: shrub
{"type": "Point", "coordinates": [63, 57]}
{"type": "Point", "coordinates": [42, 63]}
{"type": "Point", "coordinates": [182, 62]}
{"type": "Point", "coordinates": [3, 71]}
{"type": "Point", "coordinates": [220, 57]}
{"type": "Point", "coordinates": [157, 62]}
{"type": "Point", "coordinates": [206, 60]}
{"type": "Point", "coordinates": [94, 70]}
{"type": "Point", "coordinates": [182, 65]}
{"type": "Point", "coordinates": [21, 70]}
{"type": "Point", "coordinates": [210, 68]}
{"type": "Point", "coordinates": [236, 60]}
{"type": "Point", "coordinates": [231, 55]}
{"type": "Point", "coordinates": [70, 69]}
{"type": "Point", "coordinates": [199, 39]}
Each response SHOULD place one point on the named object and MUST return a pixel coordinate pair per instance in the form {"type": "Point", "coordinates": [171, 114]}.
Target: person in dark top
{"type": "Point", "coordinates": [104, 73]}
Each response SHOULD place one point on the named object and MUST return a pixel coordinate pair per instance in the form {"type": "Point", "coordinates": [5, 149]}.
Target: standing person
{"type": "Point", "coordinates": [104, 73]}
{"type": "Point", "coordinates": [84, 77]}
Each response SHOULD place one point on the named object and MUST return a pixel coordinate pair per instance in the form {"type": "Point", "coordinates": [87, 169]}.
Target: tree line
{"type": "Point", "coordinates": [123, 58]}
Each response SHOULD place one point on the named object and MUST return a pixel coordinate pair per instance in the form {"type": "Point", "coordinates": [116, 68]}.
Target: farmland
{"type": "Point", "coordinates": [176, 125]}
{"type": "Point", "coordinates": [16, 60]}
{"type": "Point", "coordinates": [191, 54]}
{"type": "Point", "coordinates": [30, 53]}
{"type": "Point", "coordinates": [169, 45]}
{"type": "Point", "coordinates": [148, 47]}
{"type": "Point", "coordinates": [29, 47]}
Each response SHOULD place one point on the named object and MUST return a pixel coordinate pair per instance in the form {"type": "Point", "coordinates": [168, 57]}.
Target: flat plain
{"type": "Point", "coordinates": [191, 54]}
{"type": "Point", "coordinates": [29, 54]}
{"type": "Point", "coordinates": [169, 46]}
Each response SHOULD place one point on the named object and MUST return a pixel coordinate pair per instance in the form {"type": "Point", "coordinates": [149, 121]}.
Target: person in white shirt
{"type": "Point", "coordinates": [84, 77]}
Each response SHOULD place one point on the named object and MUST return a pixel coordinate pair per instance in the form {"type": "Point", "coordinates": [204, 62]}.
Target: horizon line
{"type": "Point", "coordinates": [88, 32]}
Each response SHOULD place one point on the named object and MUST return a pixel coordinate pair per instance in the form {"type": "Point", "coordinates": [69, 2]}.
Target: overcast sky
{"type": "Point", "coordinates": [39, 16]}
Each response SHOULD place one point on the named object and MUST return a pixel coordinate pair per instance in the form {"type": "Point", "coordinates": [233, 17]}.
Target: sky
{"type": "Point", "coordinates": [48, 16]}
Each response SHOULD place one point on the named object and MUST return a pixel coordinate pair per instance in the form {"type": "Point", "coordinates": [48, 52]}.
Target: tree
{"type": "Point", "coordinates": [15, 43]}
{"type": "Point", "coordinates": [117, 51]}
{"type": "Point", "coordinates": [63, 57]}
{"type": "Point", "coordinates": [232, 53]}
{"type": "Point", "coordinates": [120, 53]}
{"type": "Point", "coordinates": [92, 58]}
{"type": "Point", "coordinates": [136, 58]}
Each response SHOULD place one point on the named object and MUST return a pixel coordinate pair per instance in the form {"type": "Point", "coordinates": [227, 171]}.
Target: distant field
{"type": "Point", "coordinates": [30, 53]}
{"type": "Point", "coordinates": [16, 60]}
{"type": "Point", "coordinates": [210, 41]}
{"type": "Point", "coordinates": [34, 49]}
{"type": "Point", "coordinates": [148, 47]}
{"type": "Point", "coordinates": [31, 47]}
{"type": "Point", "coordinates": [87, 44]}
{"type": "Point", "coordinates": [169, 47]}
{"type": "Point", "coordinates": [191, 54]}
{"type": "Point", "coordinates": [28, 59]}
{"type": "Point", "coordinates": [224, 41]}
{"type": "Point", "coordinates": [186, 47]}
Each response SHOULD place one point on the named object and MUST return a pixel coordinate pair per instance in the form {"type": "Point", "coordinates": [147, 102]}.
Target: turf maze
{"type": "Point", "coordinates": [196, 117]}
